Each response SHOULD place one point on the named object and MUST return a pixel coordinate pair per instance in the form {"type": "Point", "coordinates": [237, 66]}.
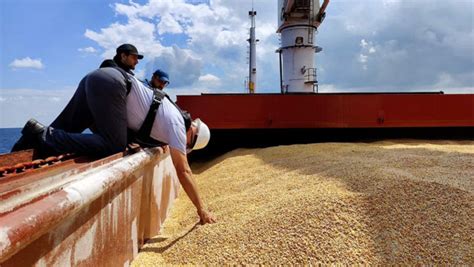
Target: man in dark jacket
{"type": "Point", "coordinates": [99, 103]}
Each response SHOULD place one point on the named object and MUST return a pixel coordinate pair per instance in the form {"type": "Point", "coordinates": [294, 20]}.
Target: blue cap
{"type": "Point", "coordinates": [161, 75]}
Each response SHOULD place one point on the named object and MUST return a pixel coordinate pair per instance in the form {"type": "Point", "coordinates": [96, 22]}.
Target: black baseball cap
{"type": "Point", "coordinates": [129, 49]}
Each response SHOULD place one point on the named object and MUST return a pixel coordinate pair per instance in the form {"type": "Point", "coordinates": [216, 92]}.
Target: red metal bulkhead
{"type": "Point", "coordinates": [344, 110]}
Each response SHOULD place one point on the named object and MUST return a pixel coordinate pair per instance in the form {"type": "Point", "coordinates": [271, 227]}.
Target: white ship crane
{"type": "Point", "coordinates": [298, 21]}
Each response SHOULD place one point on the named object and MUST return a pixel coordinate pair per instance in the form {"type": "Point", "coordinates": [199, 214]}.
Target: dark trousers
{"type": "Point", "coordinates": [99, 103]}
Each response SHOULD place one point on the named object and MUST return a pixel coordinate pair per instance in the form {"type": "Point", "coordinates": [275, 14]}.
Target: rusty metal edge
{"type": "Point", "coordinates": [16, 157]}
{"type": "Point", "coordinates": [22, 226]}
{"type": "Point", "coordinates": [13, 185]}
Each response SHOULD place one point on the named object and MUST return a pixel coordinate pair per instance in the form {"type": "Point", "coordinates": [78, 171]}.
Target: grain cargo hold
{"type": "Point", "coordinates": [388, 202]}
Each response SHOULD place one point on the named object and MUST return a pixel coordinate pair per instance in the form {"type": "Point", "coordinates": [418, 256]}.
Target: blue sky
{"type": "Point", "coordinates": [51, 31]}
{"type": "Point", "coordinates": [377, 45]}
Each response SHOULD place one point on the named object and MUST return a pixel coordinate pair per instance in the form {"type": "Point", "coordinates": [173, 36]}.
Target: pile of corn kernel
{"type": "Point", "coordinates": [390, 202]}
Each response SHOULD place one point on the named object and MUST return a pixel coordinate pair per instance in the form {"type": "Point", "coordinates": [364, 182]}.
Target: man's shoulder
{"type": "Point", "coordinates": [108, 70]}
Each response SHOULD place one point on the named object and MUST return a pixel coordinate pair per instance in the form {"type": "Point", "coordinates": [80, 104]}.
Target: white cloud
{"type": "Point", "coordinates": [183, 67]}
{"type": "Point", "coordinates": [89, 49]}
{"type": "Point", "coordinates": [209, 81]}
{"type": "Point", "coordinates": [27, 63]}
{"type": "Point", "coordinates": [216, 37]}
{"type": "Point", "coordinates": [367, 48]}
{"type": "Point", "coordinates": [55, 99]}
{"type": "Point", "coordinates": [398, 44]}
{"type": "Point", "coordinates": [446, 81]}
{"type": "Point", "coordinates": [327, 88]}
{"type": "Point", "coordinates": [136, 31]}
{"type": "Point", "coordinates": [404, 44]}
{"type": "Point", "coordinates": [209, 78]}
{"type": "Point", "coordinates": [141, 74]}
{"type": "Point", "coordinates": [363, 58]}
{"type": "Point", "coordinates": [168, 24]}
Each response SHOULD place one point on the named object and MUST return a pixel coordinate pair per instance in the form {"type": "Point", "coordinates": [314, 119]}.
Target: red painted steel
{"type": "Point", "coordinates": [16, 157]}
{"type": "Point", "coordinates": [260, 111]}
{"type": "Point", "coordinates": [29, 166]}
{"type": "Point", "coordinates": [98, 218]}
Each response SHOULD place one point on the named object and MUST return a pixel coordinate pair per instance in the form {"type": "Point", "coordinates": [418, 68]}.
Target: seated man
{"type": "Point", "coordinates": [99, 101]}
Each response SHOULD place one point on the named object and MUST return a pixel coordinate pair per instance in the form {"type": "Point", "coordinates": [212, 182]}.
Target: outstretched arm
{"type": "Point", "coordinates": [185, 176]}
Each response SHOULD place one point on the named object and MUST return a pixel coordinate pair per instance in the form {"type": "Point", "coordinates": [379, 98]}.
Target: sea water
{"type": "Point", "coordinates": [8, 137]}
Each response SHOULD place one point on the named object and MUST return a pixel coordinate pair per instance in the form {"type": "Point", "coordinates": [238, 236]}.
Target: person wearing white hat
{"type": "Point", "coordinates": [169, 126]}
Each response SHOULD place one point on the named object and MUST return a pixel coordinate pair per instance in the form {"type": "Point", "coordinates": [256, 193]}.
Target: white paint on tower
{"type": "Point", "coordinates": [298, 21]}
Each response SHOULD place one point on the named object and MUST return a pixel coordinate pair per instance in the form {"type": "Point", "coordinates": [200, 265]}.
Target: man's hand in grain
{"type": "Point", "coordinates": [206, 217]}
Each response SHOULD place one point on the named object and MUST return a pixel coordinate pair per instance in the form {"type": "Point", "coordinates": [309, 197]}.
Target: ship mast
{"type": "Point", "coordinates": [252, 83]}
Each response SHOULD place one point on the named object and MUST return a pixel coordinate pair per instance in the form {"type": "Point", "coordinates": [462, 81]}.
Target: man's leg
{"type": "Point", "coordinates": [106, 94]}
{"type": "Point", "coordinates": [76, 116]}
{"type": "Point", "coordinates": [105, 97]}
{"type": "Point", "coordinates": [64, 142]}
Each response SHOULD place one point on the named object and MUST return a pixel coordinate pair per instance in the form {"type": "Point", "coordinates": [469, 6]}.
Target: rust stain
{"type": "Point", "coordinates": [16, 157]}
{"type": "Point", "coordinates": [9, 194]}
{"type": "Point", "coordinates": [21, 167]}
{"type": "Point", "coordinates": [60, 227]}
{"type": "Point", "coordinates": [22, 161]}
{"type": "Point", "coordinates": [96, 219]}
